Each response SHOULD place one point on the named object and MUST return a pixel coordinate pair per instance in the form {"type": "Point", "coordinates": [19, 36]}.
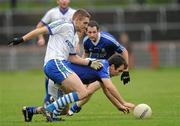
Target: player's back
{"type": "Point", "coordinates": [88, 74]}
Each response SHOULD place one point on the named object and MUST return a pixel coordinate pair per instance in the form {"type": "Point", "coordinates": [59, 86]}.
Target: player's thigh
{"type": "Point", "coordinates": [73, 83]}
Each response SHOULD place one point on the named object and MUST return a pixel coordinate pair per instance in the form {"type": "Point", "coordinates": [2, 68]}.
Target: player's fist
{"type": "Point", "coordinates": [95, 64]}
{"type": "Point", "coordinates": [15, 41]}
{"type": "Point", "coordinates": [125, 77]}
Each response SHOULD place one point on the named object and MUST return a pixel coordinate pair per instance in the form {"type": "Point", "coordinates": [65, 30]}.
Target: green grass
{"type": "Point", "coordinates": [157, 88]}
{"type": "Point", "coordinates": [30, 5]}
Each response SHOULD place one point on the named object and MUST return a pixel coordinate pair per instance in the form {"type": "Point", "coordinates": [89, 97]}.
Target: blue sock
{"type": "Point", "coordinates": [63, 101]}
{"type": "Point", "coordinates": [32, 109]}
{"type": "Point", "coordinates": [75, 108]}
{"type": "Point", "coordinates": [51, 107]}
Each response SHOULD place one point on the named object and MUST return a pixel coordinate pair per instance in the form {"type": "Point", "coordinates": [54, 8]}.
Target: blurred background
{"type": "Point", "coordinates": [150, 29]}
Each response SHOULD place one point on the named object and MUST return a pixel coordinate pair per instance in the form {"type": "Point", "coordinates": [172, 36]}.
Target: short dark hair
{"type": "Point", "coordinates": [93, 23]}
{"type": "Point", "coordinates": [80, 13]}
{"type": "Point", "coordinates": [117, 60]}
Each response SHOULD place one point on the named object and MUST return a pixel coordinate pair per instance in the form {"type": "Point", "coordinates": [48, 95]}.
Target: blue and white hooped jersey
{"type": "Point", "coordinates": [104, 48]}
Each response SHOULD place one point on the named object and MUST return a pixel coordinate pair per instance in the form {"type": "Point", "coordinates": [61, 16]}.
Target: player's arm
{"type": "Point", "coordinates": [85, 55]}
{"type": "Point", "coordinates": [35, 33]}
{"type": "Point", "coordinates": [114, 101]}
{"type": "Point", "coordinates": [125, 77]}
{"type": "Point", "coordinates": [124, 54]}
{"type": "Point", "coordinates": [29, 36]}
{"type": "Point", "coordinates": [112, 93]}
{"type": "Point", "coordinates": [95, 64]}
{"type": "Point", "coordinates": [41, 40]}
{"type": "Point", "coordinates": [108, 85]}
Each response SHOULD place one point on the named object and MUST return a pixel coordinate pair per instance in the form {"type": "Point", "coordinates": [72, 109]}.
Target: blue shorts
{"type": "Point", "coordinates": [57, 70]}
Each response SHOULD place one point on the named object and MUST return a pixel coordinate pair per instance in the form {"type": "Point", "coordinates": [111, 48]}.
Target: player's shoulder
{"type": "Point", "coordinates": [61, 23]}
{"type": "Point", "coordinates": [107, 35]}
{"type": "Point", "coordinates": [105, 62]}
{"type": "Point", "coordinates": [86, 38]}
{"type": "Point", "coordinates": [72, 10]}
{"type": "Point", "coordinates": [54, 9]}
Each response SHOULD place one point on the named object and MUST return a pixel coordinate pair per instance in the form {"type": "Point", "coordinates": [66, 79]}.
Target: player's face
{"type": "Point", "coordinates": [63, 3]}
{"type": "Point", "coordinates": [81, 24]}
{"type": "Point", "coordinates": [92, 33]}
{"type": "Point", "coordinates": [117, 71]}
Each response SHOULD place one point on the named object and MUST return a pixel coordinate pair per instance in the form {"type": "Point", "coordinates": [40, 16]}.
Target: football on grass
{"type": "Point", "coordinates": [142, 111]}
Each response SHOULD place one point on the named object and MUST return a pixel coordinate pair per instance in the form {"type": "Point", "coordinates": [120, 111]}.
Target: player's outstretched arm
{"type": "Point", "coordinates": [115, 102]}
{"type": "Point", "coordinates": [36, 32]}
{"type": "Point", "coordinates": [28, 36]}
{"type": "Point", "coordinates": [114, 95]}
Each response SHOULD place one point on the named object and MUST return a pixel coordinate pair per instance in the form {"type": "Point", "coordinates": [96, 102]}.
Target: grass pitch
{"type": "Point", "coordinates": [158, 88]}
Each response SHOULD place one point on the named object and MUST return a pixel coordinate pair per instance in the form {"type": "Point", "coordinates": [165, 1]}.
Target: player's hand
{"type": "Point", "coordinates": [41, 42]}
{"type": "Point", "coordinates": [129, 105]}
{"type": "Point", "coordinates": [95, 64]}
{"type": "Point", "coordinates": [124, 109]}
{"type": "Point", "coordinates": [125, 77]}
{"type": "Point", "coordinates": [15, 41]}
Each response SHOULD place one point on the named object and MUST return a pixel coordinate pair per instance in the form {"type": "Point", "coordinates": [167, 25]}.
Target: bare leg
{"type": "Point", "coordinates": [91, 88]}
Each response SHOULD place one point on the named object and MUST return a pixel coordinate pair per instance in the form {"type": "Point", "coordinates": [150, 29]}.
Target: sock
{"type": "Point", "coordinates": [75, 108]}
{"type": "Point", "coordinates": [32, 109]}
{"type": "Point", "coordinates": [59, 111]}
{"type": "Point", "coordinates": [63, 101]}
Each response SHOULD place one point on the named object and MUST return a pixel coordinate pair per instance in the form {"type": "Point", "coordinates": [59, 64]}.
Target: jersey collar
{"type": "Point", "coordinates": [97, 41]}
{"type": "Point", "coordinates": [63, 10]}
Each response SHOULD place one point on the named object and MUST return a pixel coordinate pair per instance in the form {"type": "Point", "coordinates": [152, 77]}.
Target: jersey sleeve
{"type": "Point", "coordinates": [117, 46]}
{"type": "Point", "coordinates": [104, 71]}
{"type": "Point", "coordinates": [47, 17]}
{"type": "Point", "coordinates": [62, 27]}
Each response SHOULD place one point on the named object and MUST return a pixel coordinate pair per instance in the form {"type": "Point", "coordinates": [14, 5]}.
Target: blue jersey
{"type": "Point", "coordinates": [89, 75]}
{"type": "Point", "coordinates": [104, 48]}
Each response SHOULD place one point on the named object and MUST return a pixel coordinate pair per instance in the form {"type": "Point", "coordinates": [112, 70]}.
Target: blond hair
{"type": "Point", "coordinates": [81, 13]}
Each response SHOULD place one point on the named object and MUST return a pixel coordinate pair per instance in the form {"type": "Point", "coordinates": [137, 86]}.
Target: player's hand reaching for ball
{"type": "Point", "coordinates": [129, 105]}
{"type": "Point", "coordinates": [15, 41]}
{"type": "Point", "coordinates": [124, 109]}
